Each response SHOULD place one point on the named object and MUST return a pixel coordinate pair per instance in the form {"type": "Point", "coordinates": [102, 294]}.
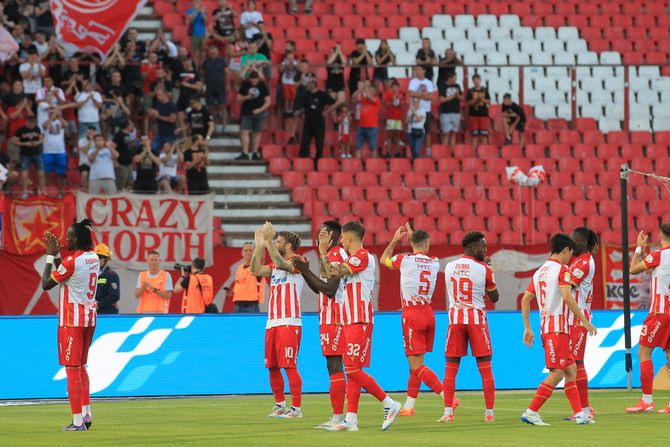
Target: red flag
{"type": "Point", "coordinates": [93, 25]}
{"type": "Point", "coordinates": [24, 222]}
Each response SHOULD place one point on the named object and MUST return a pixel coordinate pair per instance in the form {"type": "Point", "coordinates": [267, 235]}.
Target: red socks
{"type": "Point", "coordinates": [277, 384]}
{"type": "Point", "coordinates": [582, 382]}
{"type": "Point", "coordinates": [338, 386]}
{"type": "Point", "coordinates": [74, 388]}
{"type": "Point", "coordinates": [572, 394]}
{"type": "Point", "coordinates": [488, 384]}
{"type": "Point", "coordinates": [450, 383]}
{"type": "Point", "coordinates": [295, 385]}
{"type": "Point", "coordinates": [647, 376]}
{"type": "Point", "coordinates": [85, 387]}
{"type": "Point", "coordinates": [366, 381]}
{"type": "Point", "coordinates": [353, 396]}
{"type": "Point", "coordinates": [428, 377]}
{"type": "Point", "coordinates": [543, 393]}
{"type": "Point", "coordinates": [413, 385]}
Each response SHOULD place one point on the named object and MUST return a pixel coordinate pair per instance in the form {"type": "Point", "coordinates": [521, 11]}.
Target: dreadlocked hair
{"type": "Point", "coordinates": [589, 236]}
{"type": "Point", "coordinates": [83, 231]}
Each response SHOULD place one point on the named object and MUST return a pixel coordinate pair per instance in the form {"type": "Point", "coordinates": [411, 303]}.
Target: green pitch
{"type": "Point", "coordinates": [241, 422]}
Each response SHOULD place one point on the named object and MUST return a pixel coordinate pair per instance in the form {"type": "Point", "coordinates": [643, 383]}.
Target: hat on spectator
{"type": "Point", "coordinates": [103, 250]}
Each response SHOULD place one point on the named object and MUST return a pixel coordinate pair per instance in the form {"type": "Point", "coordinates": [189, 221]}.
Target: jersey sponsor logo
{"type": "Point", "coordinates": [68, 349]}
{"type": "Point", "coordinates": [577, 346]}
{"type": "Point", "coordinates": [578, 273]}
{"type": "Point", "coordinates": [552, 350]}
{"type": "Point", "coordinates": [61, 269]}
{"type": "Point", "coordinates": [653, 332]}
{"type": "Point", "coordinates": [354, 261]}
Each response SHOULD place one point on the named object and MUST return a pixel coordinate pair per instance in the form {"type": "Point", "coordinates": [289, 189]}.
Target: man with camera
{"type": "Point", "coordinates": [154, 287]}
{"type": "Point", "coordinates": [197, 287]}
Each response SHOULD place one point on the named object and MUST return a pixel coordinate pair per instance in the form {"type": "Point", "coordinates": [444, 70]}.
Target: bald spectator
{"type": "Point", "coordinates": [247, 288]}
{"type": "Point", "coordinates": [154, 287]}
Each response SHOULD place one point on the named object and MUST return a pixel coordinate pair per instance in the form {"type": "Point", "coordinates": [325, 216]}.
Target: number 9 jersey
{"type": "Point", "coordinates": [78, 279]}
{"type": "Point", "coordinates": [467, 282]}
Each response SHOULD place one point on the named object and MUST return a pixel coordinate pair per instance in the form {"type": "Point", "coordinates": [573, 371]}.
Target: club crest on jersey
{"type": "Point", "coordinates": [354, 261]}
{"type": "Point", "coordinates": [578, 273]}
{"type": "Point", "coordinates": [62, 269]}
{"type": "Point", "coordinates": [649, 259]}
{"type": "Point", "coordinates": [567, 276]}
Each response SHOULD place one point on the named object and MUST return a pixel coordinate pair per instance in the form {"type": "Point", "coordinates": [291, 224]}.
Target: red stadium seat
{"type": "Point", "coordinates": [389, 179]}
{"type": "Point", "coordinates": [376, 165]}
{"type": "Point", "coordinates": [293, 179]}
{"type": "Point", "coordinates": [561, 150]}
{"type": "Point", "coordinates": [499, 193]}
{"type": "Point", "coordinates": [581, 151]}
{"type": "Point", "coordinates": [559, 179]}
{"type": "Point", "coordinates": [438, 151]}
{"type": "Point", "coordinates": [642, 164]}
{"type": "Point", "coordinates": [488, 179]}
{"type": "Point", "coordinates": [425, 223]}
{"type": "Point", "coordinates": [317, 179]}
{"type": "Point", "coordinates": [339, 208]}
{"type": "Point", "coordinates": [401, 193]}
{"type": "Point", "coordinates": [569, 223]}
{"type": "Point", "coordinates": [649, 224]}
{"type": "Point", "coordinates": [374, 224]}
{"type": "Point", "coordinates": [328, 165]}
{"type": "Point", "coordinates": [278, 166]}
{"type": "Point", "coordinates": [534, 151]}
{"type": "Point", "coordinates": [352, 165]}
{"type": "Point", "coordinates": [570, 137]}
{"type": "Point", "coordinates": [439, 179]}
{"type": "Point", "coordinates": [472, 165]}
{"type": "Point", "coordinates": [618, 137]}
{"type": "Point", "coordinates": [657, 151]}
{"type": "Point", "coordinates": [366, 179]}
{"type": "Point", "coordinates": [342, 179]}
{"type": "Point", "coordinates": [395, 222]}
{"type": "Point", "coordinates": [447, 223]}
{"type": "Point", "coordinates": [376, 193]}
{"type": "Point", "coordinates": [545, 138]}
{"type": "Point", "coordinates": [301, 194]}
{"type": "Point", "coordinates": [415, 180]}
{"type": "Point", "coordinates": [437, 208]}
{"type": "Point", "coordinates": [352, 193]}
{"type": "Point", "coordinates": [463, 151]}
{"type": "Point", "coordinates": [584, 207]}
{"type": "Point", "coordinates": [412, 208]}
{"type": "Point", "coordinates": [512, 151]}
{"type": "Point", "coordinates": [597, 223]}
{"type": "Point", "coordinates": [607, 151]}
{"type": "Point", "coordinates": [461, 208]}
{"type": "Point", "coordinates": [572, 193]}
{"type": "Point", "coordinates": [547, 224]}
{"type": "Point", "coordinates": [497, 224]}
{"type": "Point", "coordinates": [327, 193]}
{"type": "Point", "coordinates": [474, 193]}
{"type": "Point", "coordinates": [486, 208]}
{"type": "Point", "coordinates": [462, 179]}
{"type": "Point", "coordinates": [560, 209]}
{"type": "Point", "coordinates": [646, 193]}
{"type": "Point", "coordinates": [448, 193]}
{"type": "Point", "coordinates": [388, 208]}
{"type": "Point", "coordinates": [400, 165]}
{"type": "Point", "coordinates": [363, 209]}
{"type": "Point", "coordinates": [424, 165]}
{"type": "Point", "coordinates": [510, 209]}
{"type": "Point", "coordinates": [447, 165]}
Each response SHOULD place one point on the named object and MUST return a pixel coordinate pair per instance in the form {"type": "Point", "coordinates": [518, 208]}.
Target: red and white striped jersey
{"type": "Point", "coordinates": [358, 286]}
{"type": "Point", "coordinates": [582, 271]}
{"type": "Point", "coordinates": [330, 311]}
{"type": "Point", "coordinates": [284, 302]}
{"type": "Point", "coordinates": [467, 281]}
{"type": "Point", "coordinates": [78, 278]}
{"type": "Point", "coordinates": [418, 276]}
{"type": "Point", "coordinates": [546, 287]}
{"type": "Point", "coordinates": [659, 261]}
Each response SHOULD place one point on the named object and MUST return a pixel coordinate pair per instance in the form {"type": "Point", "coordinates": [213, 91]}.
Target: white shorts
{"type": "Point", "coordinates": [450, 122]}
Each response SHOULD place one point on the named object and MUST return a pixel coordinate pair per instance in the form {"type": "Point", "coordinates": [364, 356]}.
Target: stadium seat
{"type": "Point", "coordinates": [445, 165]}
{"type": "Point", "coordinates": [363, 208]}
{"type": "Point", "coordinates": [374, 224]}
{"type": "Point", "coordinates": [376, 193]}
{"type": "Point", "coordinates": [401, 193]}
{"type": "Point", "coordinates": [415, 179]}
{"type": "Point", "coordinates": [424, 165]}
{"type": "Point", "coordinates": [439, 179]}
{"type": "Point", "coordinates": [326, 164]}
{"type": "Point", "coordinates": [339, 208]}
{"type": "Point", "coordinates": [400, 165]}
{"type": "Point", "coordinates": [472, 165]}
{"type": "Point", "coordinates": [317, 179]}
{"type": "Point", "coordinates": [292, 179]}
{"type": "Point", "coordinates": [388, 208]}
{"type": "Point", "coordinates": [510, 209]}
{"type": "Point", "coordinates": [277, 166]}
{"type": "Point", "coordinates": [327, 193]}
{"type": "Point", "coordinates": [395, 222]}
{"type": "Point", "coordinates": [341, 179]}
{"type": "Point", "coordinates": [352, 165]}
{"type": "Point", "coordinates": [560, 209]}
{"type": "Point", "coordinates": [411, 208]}
{"type": "Point", "coordinates": [462, 179]}
{"type": "Point", "coordinates": [352, 193]}
{"type": "Point", "coordinates": [302, 194]}
{"type": "Point", "coordinates": [569, 223]}
{"type": "Point", "coordinates": [425, 223]}
{"type": "Point", "coordinates": [437, 208]}
{"type": "Point", "coordinates": [572, 193]}
{"type": "Point", "coordinates": [366, 179]}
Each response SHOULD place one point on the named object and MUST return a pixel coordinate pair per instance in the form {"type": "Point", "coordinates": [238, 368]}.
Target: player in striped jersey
{"type": "Point", "coordinates": [469, 280]}
{"type": "Point", "coordinates": [331, 330]}
{"type": "Point", "coordinates": [78, 278]}
{"type": "Point", "coordinates": [284, 325]}
{"type": "Point", "coordinates": [551, 285]}
{"type": "Point", "coordinates": [358, 275]}
{"type": "Point", "coordinates": [418, 276]}
{"type": "Point", "coordinates": [582, 271]}
{"type": "Point", "coordinates": [656, 328]}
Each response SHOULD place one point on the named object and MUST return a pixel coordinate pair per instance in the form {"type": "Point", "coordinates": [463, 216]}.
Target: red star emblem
{"type": "Point", "coordinates": [33, 219]}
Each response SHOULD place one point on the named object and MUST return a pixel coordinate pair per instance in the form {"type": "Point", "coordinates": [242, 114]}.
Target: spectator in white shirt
{"type": "Point", "coordinates": [422, 88]}
{"type": "Point", "coordinates": [48, 98]}
{"type": "Point", "coordinates": [32, 73]}
{"type": "Point", "coordinates": [84, 146]}
{"type": "Point", "coordinates": [416, 120]}
{"type": "Point", "coordinates": [89, 103]}
{"type": "Point", "coordinates": [53, 148]}
{"type": "Point", "coordinates": [168, 180]}
{"type": "Point", "coordinates": [249, 19]}
{"type": "Point", "coordinates": [102, 178]}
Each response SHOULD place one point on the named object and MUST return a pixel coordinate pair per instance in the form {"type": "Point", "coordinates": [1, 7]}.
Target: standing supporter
{"type": "Point", "coordinates": [383, 58]}
{"type": "Point", "coordinates": [108, 293]}
{"type": "Point", "coordinates": [335, 85]}
{"type": "Point", "coordinates": [89, 103]}
{"type": "Point", "coordinates": [423, 88]}
{"type": "Point", "coordinates": [344, 131]}
{"type": "Point", "coordinates": [234, 54]}
{"type": "Point", "coordinates": [360, 59]}
{"type": "Point", "coordinates": [197, 26]}
{"type": "Point", "coordinates": [303, 78]}
{"type": "Point", "coordinates": [248, 289]}
{"type": "Point", "coordinates": [126, 143]}
{"type": "Point", "coordinates": [102, 178]}
{"type": "Point", "coordinates": [29, 141]}
{"type": "Point", "coordinates": [447, 67]}
{"type": "Point", "coordinates": [189, 85]}
{"type": "Point", "coordinates": [289, 75]}
{"type": "Point", "coordinates": [197, 287]}
{"type": "Point", "coordinates": [198, 120]}
{"type": "Point", "coordinates": [394, 99]}
{"type": "Point", "coordinates": [115, 111]}
{"type": "Point", "coordinates": [196, 159]}
{"type": "Point", "coordinates": [255, 98]}
{"type": "Point", "coordinates": [163, 47]}
{"type": "Point", "coordinates": [165, 113]}
{"type": "Point", "coordinates": [450, 110]}
{"type": "Point", "coordinates": [369, 122]}
{"type": "Point", "coordinates": [146, 171]}
{"type": "Point", "coordinates": [84, 145]}
{"type": "Point", "coordinates": [314, 108]}
{"type": "Point", "coordinates": [427, 58]}
{"type": "Point", "coordinates": [32, 71]}
{"type": "Point", "coordinates": [514, 118]}
{"type": "Point", "coordinates": [17, 115]}
{"type": "Point", "coordinates": [215, 73]}
{"type": "Point", "coordinates": [223, 31]}
{"type": "Point", "coordinates": [478, 111]}
{"type": "Point", "coordinates": [416, 123]}
{"type": "Point", "coordinates": [54, 156]}
{"type": "Point", "coordinates": [50, 95]}
{"type": "Point", "coordinates": [154, 287]}
{"type": "Point", "coordinates": [249, 19]}
{"type": "Point", "coordinates": [254, 60]}
{"type": "Point", "coordinates": [160, 82]}
{"type": "Point", "coordinates": [168, 178]}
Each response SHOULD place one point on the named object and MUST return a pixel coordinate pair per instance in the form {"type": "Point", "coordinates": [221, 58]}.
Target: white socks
{"type": "Point", "coordinates": [282, 403]}
{"type": "Point", "coordinates": [647, 399]}
{"type": "Point", "coordinates": [488, 412]}
{"type": "Point", "coordinates": [586, 410]}
{"type": "Point", "coordinates": [448, 411]}
{"type": "Point", "coordinates": [352, 418]}
{"type": "Point", "coordinates": [529, 411]}
{"type": "Point", "coordinates": [77, 419]}
{"type": "Point", "coordinates": [337, 418]}
{"type": "Point", "coordinates": [86, 410]}
{"type": "Point", "coordinates": [387, 402]}
{"type": "Point", "coordinates": [409, 403]}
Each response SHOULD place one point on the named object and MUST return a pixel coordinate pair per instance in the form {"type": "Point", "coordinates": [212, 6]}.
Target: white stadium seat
{"type": "Point", "coordinates": [583, 72]}
{"type": "Point", "coordinates": [587, 58]}
{"type": "Point", "coordinates": [640, 124]}
{"type": "Point", "coordinates": [509, 73]}
{"type": "Point", "coordinates": [405, 58]}
{"type": "Point", "coordinates": [508, 46]}
{"type": "Point", "coordinates": [487, 21]}
{"type": "Point", "coordinates": [564, 84]}
{"type": "Point", "coordinates": [558, 72]}
{"type": "Point", "coordinates": [545, 84]}
{"type": "Point", "coordinates": [603, 72]}
{"type": "Point", "coordinates": [531, 46]}
{"type": "Point", "coordinates": [439, 46]}
{"type": "Point", "coordinates": [541, 59]}
{"type": "Point", "coordinates": [372, 44]}
{"type": "Point", "coordinates": [532, 97]}
{"type": "Point", "coordinates": [442, 21]}
{"type": "Point", "coordinates": [485, 46]}
{"type": "Point", "coordinates": [519, 59]}
{"type": "Point", "coordinates": [554, 97]}
{"type": "Point", "coordinates": [544, 111]}
{"type": "Point", "coordinates": [434, 34]}
{"type": "Point", "coordinates": [576, 46]}
{"type": "Point", "coordinates": [409, 34]}
{"type": "Point", "coordinates": [564, 110]}
{"type": "Point", "coordinates": [583, 97]}
{"type": "Point", "coordinates": [661, 124]}
{"type": "Point", "coordinates": [553, 46]}
{"type": "Point", "coordinates": [610, 58]}
{"type": "Point", "coordinates": [496, 58]}
{"type": "Point", "coordinates": [473, 58]}
{"type": "Point", "coordinates": [464, 21]}
{"type": "Point", "coordinates": [509, 21]}
{"type": "Point", "coordinates": [590, 111]}
{"type": "Point", "coordinates": [568, 33]}
{"type": "Point", "coordinates": [647, 98]}
{"type": "Point", "coordinates": [637, 84]}
{"type": "Point", "coordinates": [463, 47]}
{"type": "Point", "coordinates": [545, 33]}
{"type": "Point", "coordinates": [397, 45]}
{"type": "Point", "coordinates": [500, 35]}
{"type": "Point", "coordinates": [660, 110]}
{"type": "Point", "coordinates": [413, 46]}
{"type": "Point", "coordinates": [590, 84]}
{"type": "Point", "coordinates": [609, 125]}
{"type": "Point", "coordinates": [640, 111]}
{"type": "Point", "coordinates": [564, 59]}
{"type": "Point", "coordinates": [665, 98]}
{"type": "Point", "coordinates": [454, 34]}
{"type": "Point", "coordinates": [476, 34]}
{"type": "Point", "coordinates": [601, 97]}
{"type": "Point", "coordinates": [522, 33]}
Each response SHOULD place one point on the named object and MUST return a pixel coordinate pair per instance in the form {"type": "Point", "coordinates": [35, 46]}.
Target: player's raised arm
{"type": "Point", "coordinates": [638, 264]}
{"type": "Point", "coordinates": [256, 268]}
{"type": "Point", "coordinates": [329, 269]}
{"type": "Point", "coordinates": [276, 257]}
{"type": "Point", "coordinates": [328, 288]}
{"type": "Point", "coordinates": [388, 252]}
{"type": "Point", "coordinates": [53, 249]}
{"type": "Point", "coordinates": [528, 335]}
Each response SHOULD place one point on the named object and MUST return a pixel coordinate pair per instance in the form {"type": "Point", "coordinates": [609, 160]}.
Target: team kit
{"type": "Point", "coordinates": [562, 288]}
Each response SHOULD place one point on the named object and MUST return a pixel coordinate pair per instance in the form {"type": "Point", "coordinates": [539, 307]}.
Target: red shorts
{"type": "Point", "coordinates": [578, 336]}
{"type": "Point", "coordinates": [557, 353]}
{"type": "Point", "coordinates": [476, 334]}
{"type": "Point", "coordinates": [656, 331]}
{"type": "Point", "coordinates": [73, 345]}
{"type": "Point", "coordinates": [479, 125]}
{"type": "Point", "coordinates": [418, 329]}
{"type": "Point", "coordinates": [289, 91]}
{"type": "Point", "coordinates": [332, 339]}
{"type": "Point", "coordinates": [282, 344]}
{"type": "Point", "coordinates": [358, 338]}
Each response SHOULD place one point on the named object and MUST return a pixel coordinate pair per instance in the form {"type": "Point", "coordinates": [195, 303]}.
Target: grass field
{"type": "Point", "coordinates": [241, 421]}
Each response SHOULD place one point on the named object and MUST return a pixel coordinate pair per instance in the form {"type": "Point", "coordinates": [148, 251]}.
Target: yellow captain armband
{"type": "Point", "coordinates": [389, 263]}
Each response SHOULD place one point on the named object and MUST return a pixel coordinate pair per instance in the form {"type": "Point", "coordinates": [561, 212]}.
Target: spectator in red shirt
{"type": "Point", "coordinates": [394, 99]}
{"type": "Point", "coordinates": [17, 116]}
{"type": "Point", "coordinates": [367, 126]}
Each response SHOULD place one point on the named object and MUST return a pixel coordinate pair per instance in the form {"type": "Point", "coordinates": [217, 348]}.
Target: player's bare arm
{"type": "Point", "coordinates": [328, 288]}
{"type": "Point", "coordinates": [53, 248]}
{"type": "Point", "coordinates": [566, 293]}
{"type": "Point", "coordinates": [325, 242]}
{"type": "Point", "coordinates": [388, 252]}
{"type": "Point", "coordinates": [493, 295]}
{"type": "Point", "coordinates": [276, 257]}
{"type": "Point", "coordinates": [528, 335]}
{"type": "Point", "coordinates": [256, 268]}
{"type": "Point", "coordinates": [637, 261]}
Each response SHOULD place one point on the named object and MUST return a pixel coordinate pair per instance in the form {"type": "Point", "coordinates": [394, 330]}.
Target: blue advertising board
{"type": "Point", "coordinates": [136, 355]}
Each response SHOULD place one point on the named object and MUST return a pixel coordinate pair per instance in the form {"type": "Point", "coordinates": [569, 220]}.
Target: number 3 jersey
{"type": "Point", "coordinates": [78, 279]}
{"type": "Point", "coordinates": [546, 286]}
{"type": "Point", "coordinates": [418, 276]}
{"type": "Point", "coordinates": [467, 282]}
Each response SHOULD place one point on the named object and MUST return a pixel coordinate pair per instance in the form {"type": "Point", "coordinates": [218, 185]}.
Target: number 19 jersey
{"type": "Point", "coordinates": [418, 276]}
{"type": "Point", "coordinates": [78, 279]}
{"type": "Point", "coordinates": [467, 282]}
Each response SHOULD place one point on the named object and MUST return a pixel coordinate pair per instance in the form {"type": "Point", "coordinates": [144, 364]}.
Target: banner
{"type": "Point", "coordinates": [613, 281]}
{"type": "Point", "coordinates": [24, 222]}
{"type": "Point", "coordinates": [179, 227]}
{"type": "Point", "coordinates": [195, 355]}
{"type": "Point", "coordinates": [92, 25]}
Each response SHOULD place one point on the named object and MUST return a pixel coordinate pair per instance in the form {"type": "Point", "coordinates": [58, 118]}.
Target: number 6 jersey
{"type": "Point", "coordinates": [78, 279]}
{"type": "Point", "coordinates": [467, 282]}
